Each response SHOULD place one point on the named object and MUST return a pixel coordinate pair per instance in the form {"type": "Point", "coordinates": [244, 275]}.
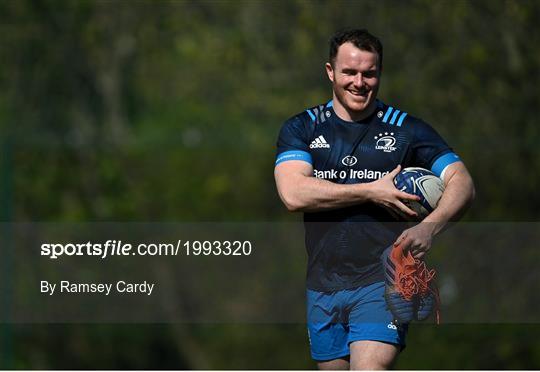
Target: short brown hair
{"type": "Point", "coordinates": [360, 38]}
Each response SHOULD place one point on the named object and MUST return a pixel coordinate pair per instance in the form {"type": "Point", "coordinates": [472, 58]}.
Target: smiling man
{"type": "Point", "coordinates": [355, 75]}
{"type": "Point", "coordinates": [336, 163]}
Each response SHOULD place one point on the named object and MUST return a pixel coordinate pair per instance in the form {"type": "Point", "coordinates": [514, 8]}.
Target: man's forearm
{"type": "Point", "coordinates": [457, 197]}
{"type": "Point", "coordinates": [313, 194]}
{"type": "Point", "coordinates": [301, 192]}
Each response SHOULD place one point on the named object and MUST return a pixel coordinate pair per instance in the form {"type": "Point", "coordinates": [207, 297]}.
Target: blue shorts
{"type": "Point", "coordinates": [335, 319]}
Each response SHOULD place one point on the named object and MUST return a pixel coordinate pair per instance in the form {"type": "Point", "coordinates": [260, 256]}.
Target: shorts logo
{"type": "Point", "coordinates": [349, 160]}
{"type": "Point", "coordinates": [392, 326]}
{"type": "Point", "coordinates": [319, 143]}
{"type": "Point", "coordinates": [385, 142]}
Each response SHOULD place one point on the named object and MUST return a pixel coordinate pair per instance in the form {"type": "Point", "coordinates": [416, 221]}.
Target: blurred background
{"type": "Point", "coordinates": [168, 111]}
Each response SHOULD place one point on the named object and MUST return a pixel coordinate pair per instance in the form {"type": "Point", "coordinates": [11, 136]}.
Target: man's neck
{"type": "Point", "coordinates": [349, 115]}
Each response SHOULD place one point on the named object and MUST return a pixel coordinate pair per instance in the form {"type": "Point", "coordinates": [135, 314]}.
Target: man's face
{"type": "Point", "coordinates": [355, 80]}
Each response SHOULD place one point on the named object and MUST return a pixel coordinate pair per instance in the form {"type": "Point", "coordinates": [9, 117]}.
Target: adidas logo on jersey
{"type": "Point", "coordinates": [319, 143]}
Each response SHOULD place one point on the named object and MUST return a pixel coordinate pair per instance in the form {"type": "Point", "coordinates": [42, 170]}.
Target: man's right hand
{"type": "Point", "coordinates": [384, 193]}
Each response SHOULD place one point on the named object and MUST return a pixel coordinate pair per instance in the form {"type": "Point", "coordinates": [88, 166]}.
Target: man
{"type": "Point", "coordinates": [336, 163]}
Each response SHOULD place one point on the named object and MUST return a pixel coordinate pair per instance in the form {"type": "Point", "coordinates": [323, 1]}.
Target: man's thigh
{"type": "Point", "coordinates": [368, 320]}
{"type": "Point", "coordinates": [372, 355]}
{"type": "Point", "coordinates": [340, 364]}
{"type": "Point", "coordinates": [364, 355]}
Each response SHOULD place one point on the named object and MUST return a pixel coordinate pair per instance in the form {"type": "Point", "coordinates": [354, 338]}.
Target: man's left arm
{"type": "Point", "coordinates": [457, 197]}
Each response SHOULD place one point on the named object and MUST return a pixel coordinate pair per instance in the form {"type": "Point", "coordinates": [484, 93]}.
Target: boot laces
{"type": "Point", "coordinates": [413, 278]}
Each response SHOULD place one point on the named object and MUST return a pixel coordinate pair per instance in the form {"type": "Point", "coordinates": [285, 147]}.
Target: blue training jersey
{"type": "Point", "coordinates": [344, 245]}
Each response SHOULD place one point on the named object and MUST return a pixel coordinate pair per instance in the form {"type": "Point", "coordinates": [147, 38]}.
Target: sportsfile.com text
{"type": "Point", "coordinates": [118, 248]}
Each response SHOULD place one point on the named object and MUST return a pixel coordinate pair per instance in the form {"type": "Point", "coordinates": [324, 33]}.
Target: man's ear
{"type": "Point", "coordinates": [329, 71]}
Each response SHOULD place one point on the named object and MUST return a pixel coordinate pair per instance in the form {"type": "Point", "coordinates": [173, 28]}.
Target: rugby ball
{"type": "Point", "coordinates": [423, 183]}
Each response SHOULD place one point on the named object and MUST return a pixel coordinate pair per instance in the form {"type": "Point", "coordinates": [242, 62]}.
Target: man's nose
{"type": "Point", "coordinates": [358, 80]}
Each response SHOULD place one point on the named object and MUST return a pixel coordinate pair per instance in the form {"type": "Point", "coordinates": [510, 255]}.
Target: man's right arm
{"type": "Point", "coordinates": [301, 192]}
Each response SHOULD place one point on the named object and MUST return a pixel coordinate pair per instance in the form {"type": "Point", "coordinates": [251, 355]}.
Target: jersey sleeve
{"type": "Point", "coordinates": [292, 142]}
{"type": "Point", "coordinates": [430, 151]}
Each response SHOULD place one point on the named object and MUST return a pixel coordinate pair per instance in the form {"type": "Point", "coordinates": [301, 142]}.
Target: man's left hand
{"type": "Point", "coordinates": [417, 239]}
